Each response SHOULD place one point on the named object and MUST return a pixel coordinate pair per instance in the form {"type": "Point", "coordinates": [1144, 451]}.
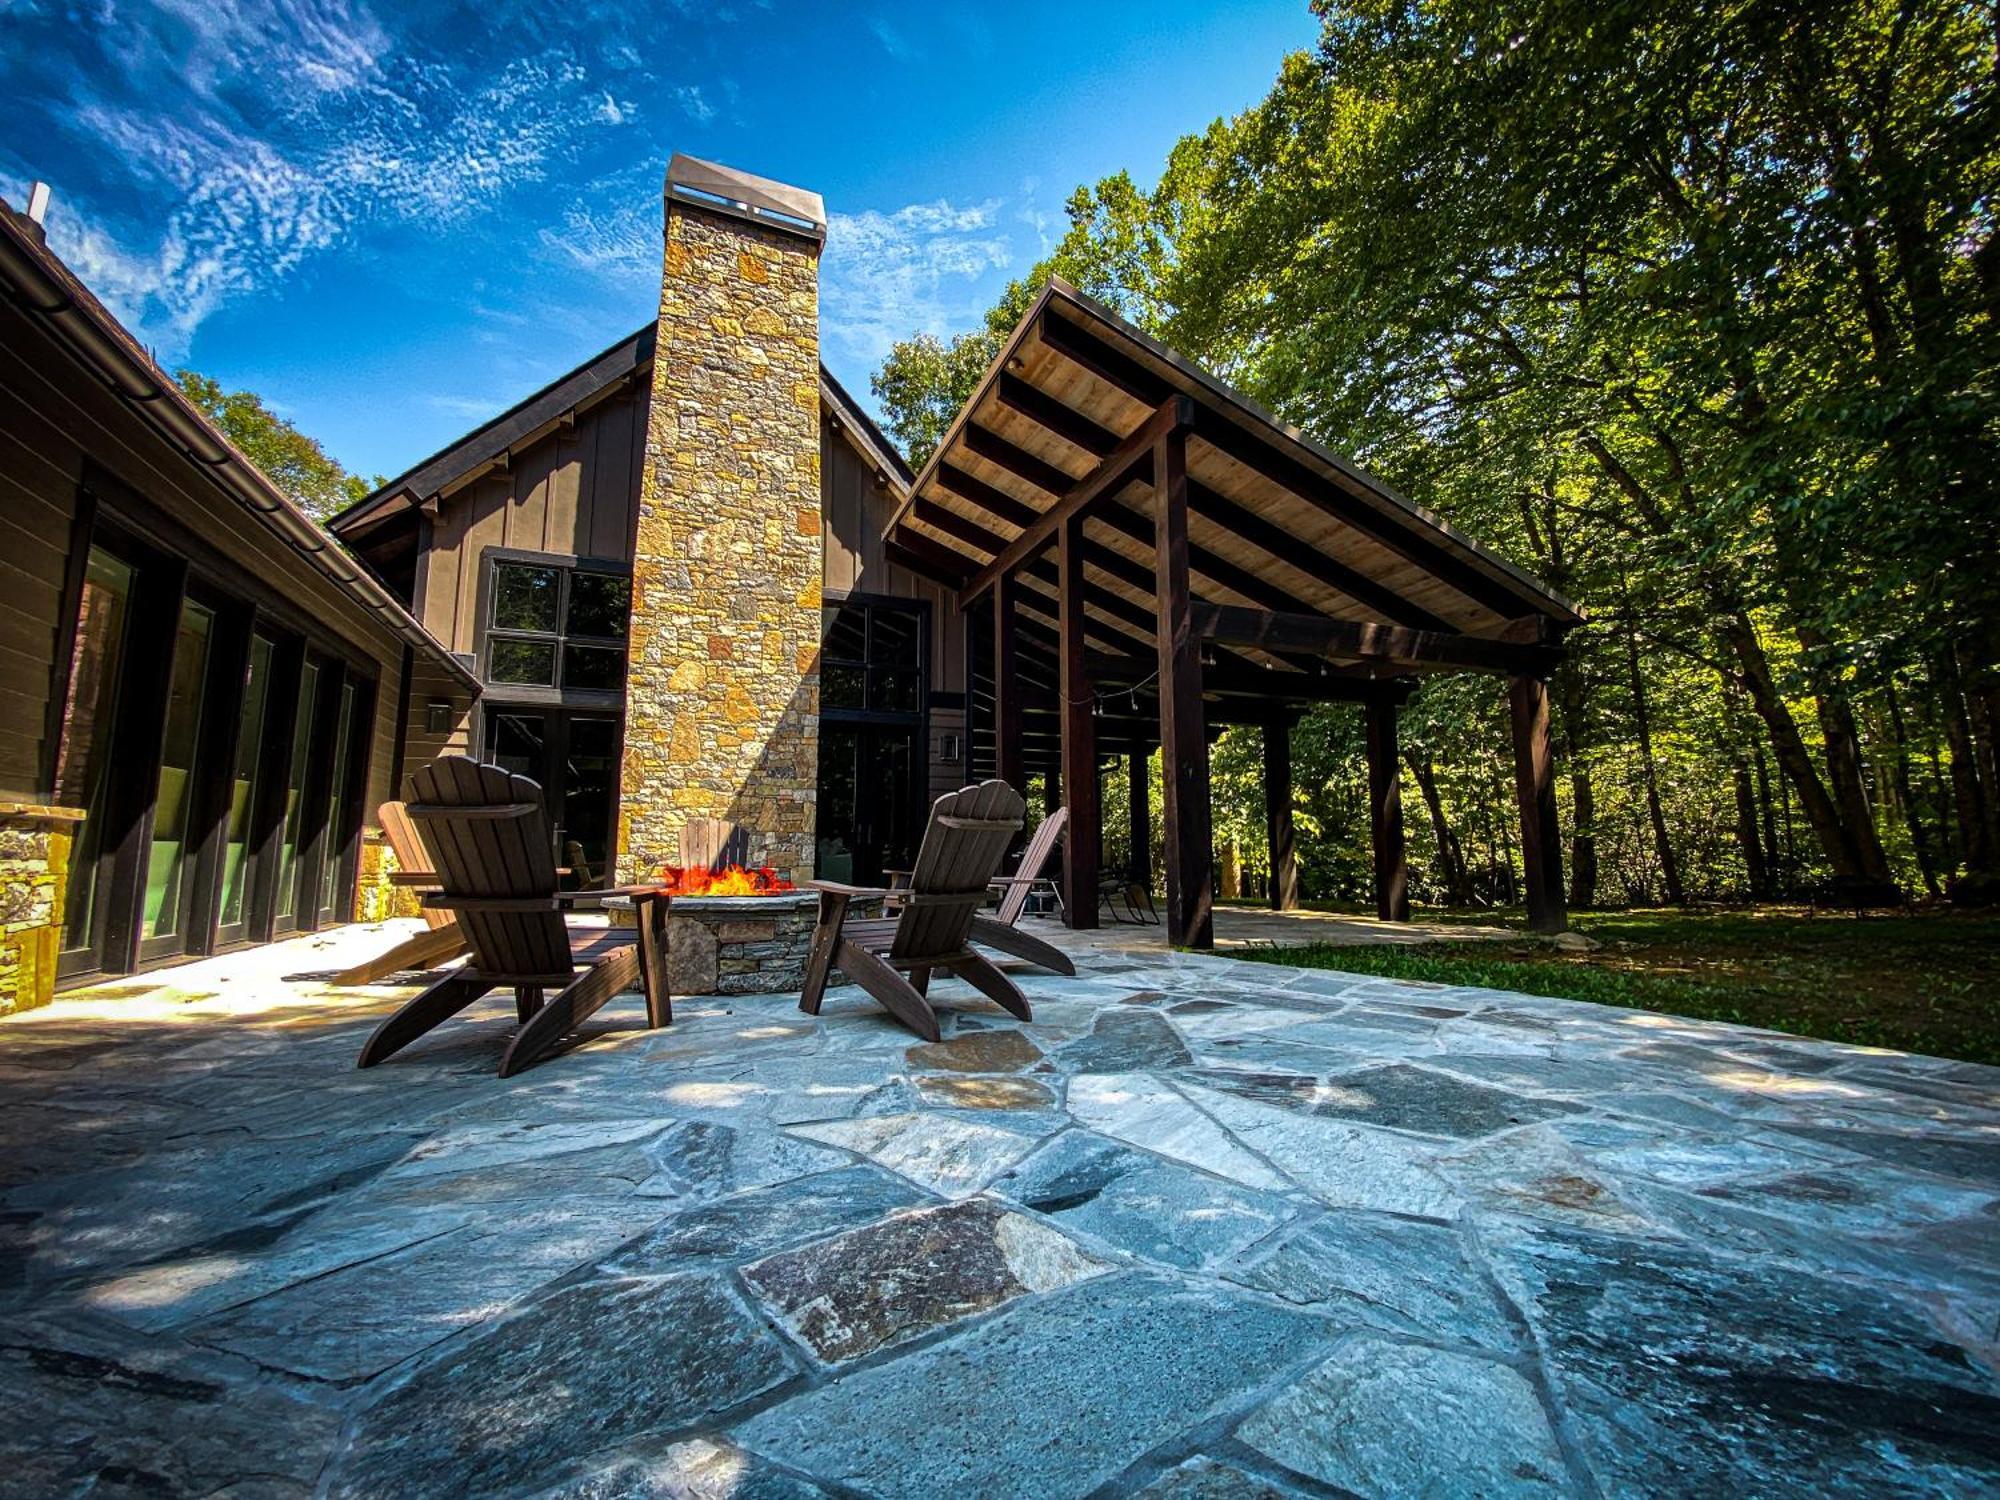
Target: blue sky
{"type": "Point", "coordinates": [394, 220]}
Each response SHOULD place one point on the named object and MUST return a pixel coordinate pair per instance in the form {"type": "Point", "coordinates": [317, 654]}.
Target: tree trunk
{"type": "Point", "coordinates": [1458, 890]}
{"type": "Point", "coordinates": [1670, 870]}
{"type": "Point", "coordinates": [1774, 857]}
{"type": "Point", "coordinates": [1746, 830]}
{"type": "Point", "coordinates": [1583, 797]}
{"type": "Point", "coordinates": [1968, 796]}
{"type": "Point", "coordinates": [1899, 779]}
{"type": "Point", "coordinates": [1850, 787]}
{"type": "Point", "coordinates": [1821, 815]}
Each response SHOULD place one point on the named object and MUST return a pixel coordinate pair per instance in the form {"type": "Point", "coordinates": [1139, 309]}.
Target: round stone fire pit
{"type": "Point", "coordinates": [735, 945]}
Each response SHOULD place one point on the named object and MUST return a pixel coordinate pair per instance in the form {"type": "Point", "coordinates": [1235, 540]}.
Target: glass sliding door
{"type": "Point", "coordinates": [298, 767]}
{"type": "Point", "coordinates": [333, 844]}
{"type": "Point", "coordinates": [575, 757]}
{"type": "Point", "coordinates": [83, 765]}
{"type": "Point", "coordinates": [169, 856]}
{"type": "Point", "coordinates": [234, 919]}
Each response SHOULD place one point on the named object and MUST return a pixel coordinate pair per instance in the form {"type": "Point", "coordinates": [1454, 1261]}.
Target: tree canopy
{"type": "Point", "coordinates": [295, 463]}
{"type": "Point", "coordinates": [1695, 311]}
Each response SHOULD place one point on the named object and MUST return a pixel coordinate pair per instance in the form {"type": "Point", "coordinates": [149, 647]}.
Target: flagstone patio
{"type": "Point", "coordinates": [1204, 1228]}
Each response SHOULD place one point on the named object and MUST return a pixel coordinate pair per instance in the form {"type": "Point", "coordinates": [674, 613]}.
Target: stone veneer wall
{"type": "Point", "coordinates": [34, 880]}
{"type": "Point", "coordinates": [722, 685]}
{"type": "Point", "coordinates": [376, 898]}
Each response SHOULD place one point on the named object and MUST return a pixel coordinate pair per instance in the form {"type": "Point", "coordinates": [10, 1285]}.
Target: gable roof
{"type": "Point", "coordinates": [535, 416]}
{"type": "Point", "coordinates": [57, 298]}
{"type": "Point", "coordinates": [1281, 528]}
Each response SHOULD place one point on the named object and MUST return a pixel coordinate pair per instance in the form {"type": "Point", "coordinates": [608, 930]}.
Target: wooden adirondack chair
{"type": "Point", "coordinates": [997, 929]}
{"type": "Point", "coordinates": [967, 836]}
{"type": "Point", "coordinates": [442, 940]}
{"type": "Point", "coordinates": [489, 839]}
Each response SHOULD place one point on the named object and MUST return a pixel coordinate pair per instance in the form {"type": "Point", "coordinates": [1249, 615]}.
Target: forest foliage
{"type": "Point", "coordinates": [294, 462]}
{"type": "Point", "coordinates": [1692, 310]}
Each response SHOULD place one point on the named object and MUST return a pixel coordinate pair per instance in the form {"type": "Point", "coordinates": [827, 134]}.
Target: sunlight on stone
{"type": "Point", "coordinates": [163, 1286]}
{"type": "Point", "coordinates": [714, 1095]}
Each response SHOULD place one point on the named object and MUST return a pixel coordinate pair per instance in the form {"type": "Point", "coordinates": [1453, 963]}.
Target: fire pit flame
{"type": "Point", "coordinates": [730, 880]}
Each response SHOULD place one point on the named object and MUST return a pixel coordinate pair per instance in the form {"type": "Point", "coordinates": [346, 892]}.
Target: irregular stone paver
{"type": "Point", "coordinates": [95, 1413]}
{"type": "Point", "coordinates": [1691, 1374]}
{"type": "Point", "coordinates": [732, 1230]}
{"type": "Point", "coordinates": [1399, 1096]}
{"type": "Point", "coordinates": [1150, 1112]}
{"type": "Point", "coordinates": [909, 1274]}
{"type": "Point", "coordinates": [948, 1092]}
{"type": "Point", "coordinates": [977, 1052]}
{"type": "Point", "coordinates": [765, 1255]}
{"type": "Point", "coordinates": [1344, 1166]}
{"type": "Point", "coordinates": [1127, 1041]}
{"type": "Point", "coordinates": [1384, 1419]}
{"type": "Point", "coordinates": [1158, 1210]}
{"type": "Point", "coordinates": [1052, 1398]}
{"type": "Point", "coordinates": [626, 1357]}
{"type": "Point", "coordinates": [697, 1469]}
{"type": "Point", "coordinates": [946, 1154]}
{"type": "Point", "coordinates": [1210, 1479]}
{"type": "Point", "coordinates": [1376, 1271]}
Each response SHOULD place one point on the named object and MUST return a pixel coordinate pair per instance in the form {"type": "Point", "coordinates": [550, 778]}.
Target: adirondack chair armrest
{"type": "Point", "coordinates": [852, 892]}
{"type": "Point", "coordinates": [636, 892]}
{"type": "Point", "coordinates": [1017, 880]}
{"type": "Point", "coordinates": [447, 902]}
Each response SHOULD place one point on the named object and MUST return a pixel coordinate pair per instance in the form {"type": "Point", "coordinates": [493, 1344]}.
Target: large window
{"type": "Point", "coordinates": [872, 659]}
{"type": "Point", "coordinates": [555, 626]}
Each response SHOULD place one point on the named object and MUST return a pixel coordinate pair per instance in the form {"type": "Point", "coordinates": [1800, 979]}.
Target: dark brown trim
{"type": "Point", "coordinates": [1276, 630]}
{"type": "Point", "coordinates": [76, 568]}
{"type": "Point", "coordinates": [1190, 872]}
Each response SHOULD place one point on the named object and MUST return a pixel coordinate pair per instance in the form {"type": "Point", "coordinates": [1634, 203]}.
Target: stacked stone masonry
{"type": "Point", "coordinates": [722, 689]}
{"type": "Point", "coordinates": [34, 875]}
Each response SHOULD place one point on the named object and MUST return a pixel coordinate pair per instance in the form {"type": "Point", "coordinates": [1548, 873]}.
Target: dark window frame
{"type": "Point", "coordinates": [917, 610]}
{"type": "Point", "coordinates": [555, 693]}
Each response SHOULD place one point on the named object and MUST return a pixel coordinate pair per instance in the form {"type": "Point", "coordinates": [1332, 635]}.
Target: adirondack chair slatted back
{"type": "Point", "coordinates": [711, 843]}
{"type": "Point", "coordinates": [1041, 844]}
{"type": "Point", "coordinates": [408, 847]}
{"type": "Point", "coordinates": [964, 842]}
{"type": "Point", "coordinates": [488, 836]}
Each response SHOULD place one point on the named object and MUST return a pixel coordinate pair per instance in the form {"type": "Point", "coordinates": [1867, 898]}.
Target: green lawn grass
{"type": "Point", "coordinates": [1926, 983]}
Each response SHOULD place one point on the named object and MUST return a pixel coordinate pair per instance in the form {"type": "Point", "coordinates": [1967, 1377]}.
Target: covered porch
{"type": "Point", "coordinates": [1148, 557]}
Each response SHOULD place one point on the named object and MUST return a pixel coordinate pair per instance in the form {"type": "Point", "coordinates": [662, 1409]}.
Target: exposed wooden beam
{"type": "Point", "coordinates": [1006, 687]}
{"type": "Point", "coordinates": [1281, 631]}
{"type": "Point", "coordinates": [1399, 535]}
{"type": "Point", "coordinates": [1084, 837]}
{"type": "Point", "coordinates": [979, 492]}
{"type": "Point", "coordinates": [925, 558]}
{"type": "Point", "coordinates": [1173, 415]}
{"type": "Point", "coordinates": [1183, 734]}
{"type": "Point", "coordinates": [1278, 829]}
{"type": "Point", "coordinates": [1385, 813]}
{"type": "Point", "coordinates": [1535, 795]}
{"type": "Point", "coordinates": [1073, 427]}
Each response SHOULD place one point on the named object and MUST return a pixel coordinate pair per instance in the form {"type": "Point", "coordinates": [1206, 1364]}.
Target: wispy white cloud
{"type": "Point", "coordinates": [272, 130]}
{"type": "Point", "coordinates": [893, 41]}
{"type": "Point", "coordinates": [920, 269]}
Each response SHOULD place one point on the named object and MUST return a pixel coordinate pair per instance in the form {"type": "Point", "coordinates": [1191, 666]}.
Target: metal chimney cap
{"type": "Point", "coordinates": [710, 185]}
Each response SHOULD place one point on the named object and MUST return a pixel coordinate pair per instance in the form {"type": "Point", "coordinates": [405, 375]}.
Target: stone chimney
{"type": "Point", "coordinates": [722, 684]}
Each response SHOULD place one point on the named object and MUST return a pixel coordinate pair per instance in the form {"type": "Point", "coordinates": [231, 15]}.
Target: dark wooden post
{"type": "Point", "coordinates": [1190, 853]}
{"type": "Point", "coordinates": [1139, 816]}
{"type": "Point", "coordinates": [1535, 791]}
{"type": "Point", "coordinates": [1385, 812]}
{"type": "Point", "coordinates": [1083, 839]}
{"type": "Point", "coordinates": [1278, 814]}
{"type": "Point", "coordinates": [1006, 689]}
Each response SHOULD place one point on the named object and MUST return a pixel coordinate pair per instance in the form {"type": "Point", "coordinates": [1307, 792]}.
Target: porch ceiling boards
{"type": "Point", "coordinates": [1277, 525]}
